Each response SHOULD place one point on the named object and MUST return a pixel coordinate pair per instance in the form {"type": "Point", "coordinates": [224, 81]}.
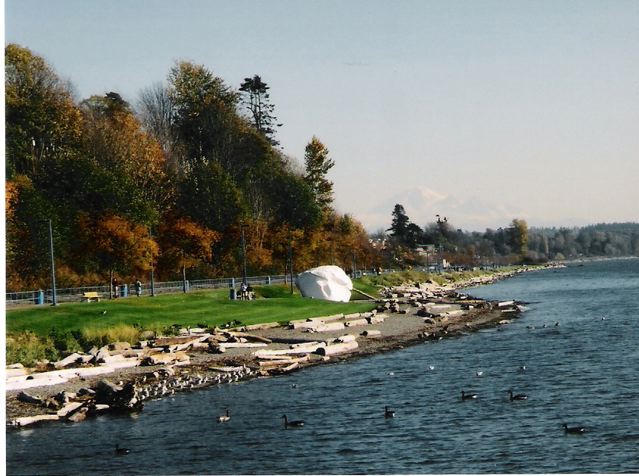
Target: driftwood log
{"type": "Point", "coordinates": [337, 348]}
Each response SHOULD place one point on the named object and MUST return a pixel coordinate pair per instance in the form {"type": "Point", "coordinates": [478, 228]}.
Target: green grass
{"type": "Point", "coordinates": [45, 332]}
{"type": "Point", "coordinates": [211, 308]}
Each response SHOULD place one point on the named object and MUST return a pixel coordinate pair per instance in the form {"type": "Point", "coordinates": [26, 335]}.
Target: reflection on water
{"type": "Point", "coordinates": [583, 372]}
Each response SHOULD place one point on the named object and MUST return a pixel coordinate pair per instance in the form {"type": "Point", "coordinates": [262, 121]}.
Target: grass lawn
{"type": "Point", "coordinates": [209, 307]}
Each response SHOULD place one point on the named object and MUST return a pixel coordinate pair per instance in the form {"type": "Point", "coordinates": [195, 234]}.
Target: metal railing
{"type": "Point", "coordinates": [45, 296]}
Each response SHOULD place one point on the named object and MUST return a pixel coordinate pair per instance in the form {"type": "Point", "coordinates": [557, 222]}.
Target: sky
{"type": "Point", "coordinates": [481, 111]}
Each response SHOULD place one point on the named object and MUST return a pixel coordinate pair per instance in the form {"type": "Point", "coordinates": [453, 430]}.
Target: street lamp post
{"type": "Point", "coordinates": [152, 269]}
{"type": "Point", "coordinates": [290, 259]}
{"type": "Point", "coordinates": [152, 280]}
{"type": "Point", "coordinates": [354, 266]}
{"type": "Point", "coordinates": [243, 226]}
{"type": "Point", "coordinates": [53, 290]}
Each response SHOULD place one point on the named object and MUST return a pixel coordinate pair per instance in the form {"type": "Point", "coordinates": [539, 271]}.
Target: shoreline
{"type": "Point", "coordinates": [403, 318]}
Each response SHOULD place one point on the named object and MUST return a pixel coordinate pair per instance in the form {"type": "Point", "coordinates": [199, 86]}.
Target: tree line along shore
{"type": "Point", "coordinates": [188, 179]}
{"type": "Point", "coordinates": [123, 375]}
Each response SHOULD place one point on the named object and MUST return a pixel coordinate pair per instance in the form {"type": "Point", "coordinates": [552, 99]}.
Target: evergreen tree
{"type": "Point", "coordinates": [399, 225]}
{"type": "Point", "coordinates": [317, 166]}
{"type": "Point", "coordinates": [255, 98]}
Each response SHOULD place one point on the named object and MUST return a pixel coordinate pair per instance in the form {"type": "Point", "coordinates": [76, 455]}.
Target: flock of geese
{"type": "Point", "coordinates": [389, 413]}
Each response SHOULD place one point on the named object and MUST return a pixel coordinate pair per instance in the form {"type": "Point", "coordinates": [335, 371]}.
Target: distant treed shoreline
{"type": "Point", "coordinates": [189, 182]}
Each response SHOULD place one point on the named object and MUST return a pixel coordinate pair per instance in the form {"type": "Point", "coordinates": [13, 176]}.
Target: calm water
{"type": "Point", "coordinates": [584, 372]}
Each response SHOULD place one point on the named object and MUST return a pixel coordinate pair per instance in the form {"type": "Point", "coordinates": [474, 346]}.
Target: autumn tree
{"type": "Point", "coordinates": [115, 140]}
{"type": "Point", "coordinates": [256, 100]}
{"type": "Point", "coordinates": [185, 244]}
{"type": "Point", "coordinates": [116, 244]}
{"type": "Point", "coordinates": [353, 247]}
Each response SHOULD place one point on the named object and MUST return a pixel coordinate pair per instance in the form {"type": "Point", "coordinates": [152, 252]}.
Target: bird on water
{"type": "Point", "coordinates": [388, 413]}
{"type": "Point", "coordinates": [468, 396]}
{"type": "Point", "coordinates": [519, 396]}
{"type": "Point", "coordinates": [224, 418]}
{"type": "Point", "coordinates": [121, 451]}
{"type": "Point", "coordinates": [575, 430]}
{"type": "Point", "coordinates": [294, 423]}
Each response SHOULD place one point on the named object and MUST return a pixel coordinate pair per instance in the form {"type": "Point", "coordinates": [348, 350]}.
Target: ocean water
{"type": "Point", "coordinates": [585, 372]}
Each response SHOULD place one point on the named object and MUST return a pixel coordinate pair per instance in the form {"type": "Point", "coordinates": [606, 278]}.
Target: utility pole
{"type": "Point", "coordinates": [53, 290]}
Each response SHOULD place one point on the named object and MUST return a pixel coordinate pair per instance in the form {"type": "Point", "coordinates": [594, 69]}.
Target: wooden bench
{"type": "Point", "coordinates": [91, 296]}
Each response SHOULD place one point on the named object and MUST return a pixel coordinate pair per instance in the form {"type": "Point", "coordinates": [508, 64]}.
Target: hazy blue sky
{"type": "Point", "coordinates": [479, 110]}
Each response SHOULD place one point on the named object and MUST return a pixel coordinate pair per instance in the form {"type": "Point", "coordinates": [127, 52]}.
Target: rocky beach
{"type": "Point", "coordinates": [122, 376]}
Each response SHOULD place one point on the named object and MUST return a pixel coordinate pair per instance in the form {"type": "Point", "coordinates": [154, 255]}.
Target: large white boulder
{"type": "Point", "coordinates": [329, 283]}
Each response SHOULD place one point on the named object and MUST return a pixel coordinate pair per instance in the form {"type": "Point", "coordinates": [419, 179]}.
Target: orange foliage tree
{"type": "Point", "coordinates": [185, 244]}
{"type": "Point", "coordinates": [117, 244]}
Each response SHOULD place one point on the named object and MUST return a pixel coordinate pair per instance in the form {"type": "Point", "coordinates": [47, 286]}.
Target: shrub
{"type": "Point", "coordinates": [64, 342]}
{"type": "Point", "coordinates": [117, 333]}
{"type": "Point", "coordinates": [27, 348]}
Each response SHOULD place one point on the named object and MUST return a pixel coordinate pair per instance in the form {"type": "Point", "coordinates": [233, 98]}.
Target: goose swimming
{"type": "Point", "coordinates": [294, 423]}
{"type": "Point", "coordinates": [121, 451]}
{"type": "Point", "coordinates": [468, 396]}
{"type": "Point", "coordinates": [224, 418]}
{"type": "Point", "coordinates": [575, 430]}
{"type": "Point", "coordinates": [519, 396]}
{"type": "Point", "coordinates": [389, 413]}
